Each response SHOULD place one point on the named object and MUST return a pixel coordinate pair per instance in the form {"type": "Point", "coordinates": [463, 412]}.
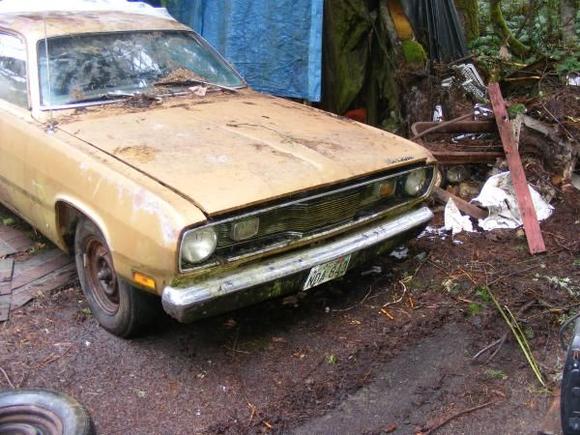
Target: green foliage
{"type": "Point", "coordinates": [496, 374]}
{"type": "Point", "coordinates": [536, 24]}
{"type": "Point", "coordinates": [520, 337]}
{"type": "Point", "coordinates": [516, 109]}
{"type": "Point", "coordinates": [503, 30]}
{"type": "Point", "coordinates": [483, 294]}
{"type": "Point", "coordinates": [474, 309]}
{"type": "Point", "coordinates": [568, 64]}
{"type": "Point", "coordinates": [9, 221]}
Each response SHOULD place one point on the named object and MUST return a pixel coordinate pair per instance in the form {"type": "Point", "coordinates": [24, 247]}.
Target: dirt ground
{"type": "Point", "coordinates": [386, 352]}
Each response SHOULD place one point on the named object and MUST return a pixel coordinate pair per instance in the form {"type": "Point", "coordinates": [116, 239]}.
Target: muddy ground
{"type": "Point", "coordinates": [389, 352]}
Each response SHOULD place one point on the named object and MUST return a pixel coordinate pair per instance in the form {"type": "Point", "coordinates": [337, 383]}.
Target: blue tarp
{"type": "Point", "coordinates": [276, 46]}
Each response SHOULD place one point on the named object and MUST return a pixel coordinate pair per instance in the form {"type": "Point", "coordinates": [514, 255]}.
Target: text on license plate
{"type": "Point", "coordinates": [327, 272]}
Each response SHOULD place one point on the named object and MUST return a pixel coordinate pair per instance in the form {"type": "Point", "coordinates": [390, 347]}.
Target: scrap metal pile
{"type": "Point", "coordinates": [490, 151]}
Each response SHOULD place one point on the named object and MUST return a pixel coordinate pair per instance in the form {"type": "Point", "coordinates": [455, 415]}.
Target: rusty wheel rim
{"type": "Point", "coordinates": [29, 420]}
{"type": "Point", "coordinates": [101, 275]}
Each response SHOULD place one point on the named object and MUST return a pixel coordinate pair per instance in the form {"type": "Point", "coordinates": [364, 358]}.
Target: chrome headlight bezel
{"type": "Point", "coordinates": [416, 182]}
{"type": "Point", "coordinates": [198, 245]}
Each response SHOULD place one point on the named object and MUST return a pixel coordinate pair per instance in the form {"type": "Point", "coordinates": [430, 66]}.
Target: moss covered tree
{"type": "Point", "coordinates": [568, 11]}
{"type": "Point", "coordinates": [501, 28]}
{"type": "Point", "coordinates": [469, 13]}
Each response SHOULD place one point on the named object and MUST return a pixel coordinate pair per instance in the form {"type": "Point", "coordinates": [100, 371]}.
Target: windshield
{"type": "Point", "coordinates": [91, 67]}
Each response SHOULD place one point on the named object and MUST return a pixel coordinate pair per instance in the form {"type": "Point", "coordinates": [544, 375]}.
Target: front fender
{"type": "Point", "coordinates": [140, 219]}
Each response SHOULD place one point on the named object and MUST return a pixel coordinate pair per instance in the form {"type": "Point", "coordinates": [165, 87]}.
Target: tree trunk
{"type": "Point", "coordinates": [568, 10]}
{"type": "Point", "coordinates": [469, 13]}
{"type": "Point", "coordinates": [504, 32]}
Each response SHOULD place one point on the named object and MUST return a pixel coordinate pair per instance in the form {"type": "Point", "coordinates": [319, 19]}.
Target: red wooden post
{"type": "Point", "coordinates": [527, 211]}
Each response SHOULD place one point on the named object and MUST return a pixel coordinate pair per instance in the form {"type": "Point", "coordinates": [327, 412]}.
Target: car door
{"type": "Point", "coordinates": [16, 191]}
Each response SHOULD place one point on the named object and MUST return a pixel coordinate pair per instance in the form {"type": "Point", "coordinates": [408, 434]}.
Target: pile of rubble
{"type": "Point", "coordinates": [489, 153]}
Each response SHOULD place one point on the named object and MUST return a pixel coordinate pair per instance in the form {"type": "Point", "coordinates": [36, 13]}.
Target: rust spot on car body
{"type": "Point", "coordinates": [141, 153]}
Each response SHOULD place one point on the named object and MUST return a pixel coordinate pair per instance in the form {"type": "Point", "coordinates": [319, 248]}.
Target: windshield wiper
{"type": "Point", "coordinates": [191, 82]}
{"type": "Point", "coordinates": [109, 96]}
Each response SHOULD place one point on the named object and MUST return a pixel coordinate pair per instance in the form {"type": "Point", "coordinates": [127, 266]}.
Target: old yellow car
{"type": "Point", "coordinates": [130, 143]}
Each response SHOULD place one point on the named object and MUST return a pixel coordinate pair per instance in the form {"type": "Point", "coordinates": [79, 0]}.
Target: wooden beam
{"type": "Point", "coordinates": [526, 206]}
{"type": "Point", "coordinates": [466, 207]}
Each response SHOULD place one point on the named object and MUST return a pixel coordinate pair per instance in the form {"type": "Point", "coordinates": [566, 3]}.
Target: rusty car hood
{"type": "Point", "coordinates": [236, 151]}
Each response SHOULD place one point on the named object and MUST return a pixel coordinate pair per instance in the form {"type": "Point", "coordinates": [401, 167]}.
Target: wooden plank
{"type": "Point", "coordinates": [9, 234]}
{"type": "Point", "coordinates": [467, 208]}
{"type": "Point", "coordinates": [4, 308]}
{"type": "Point", "coordinates": [13, 241]}
{"type": "Point", "coordinates": [6, 249]}
{"type": "Point", "coordinates": [63, 276]}
{"type": "Point", "coordinates": [5, 288]}
{"type": "Point", "coordinates": [6, 269]}
{"type": "Point", "coordinates": [20, 243]}
{"type": "Point", "coordinates": [25, 274]}
{"type": "Point", "coordinates": [39, 258]}
{"type": "Point", "coordinates": [6, 231]}
{"type": "Point", "coordinates": [526, 206]}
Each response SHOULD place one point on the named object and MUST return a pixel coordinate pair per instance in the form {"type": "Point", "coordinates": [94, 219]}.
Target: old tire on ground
{"type": "Point", "coordinates": [42, 412]}
{"type": "Point", "coordinates": [120, 308]}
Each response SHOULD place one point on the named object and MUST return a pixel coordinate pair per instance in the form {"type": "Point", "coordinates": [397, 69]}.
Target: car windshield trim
{"type": "Point", "coordinates": [78, 104]}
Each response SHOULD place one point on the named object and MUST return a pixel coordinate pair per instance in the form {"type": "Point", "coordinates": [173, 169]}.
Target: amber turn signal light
{"type": "Point", "coordinates": [386, 189]}
{"type": "Point", "coordinates": [144, 280]}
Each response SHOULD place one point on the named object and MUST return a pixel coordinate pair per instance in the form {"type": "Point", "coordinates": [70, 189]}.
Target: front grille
{"type": "Point", "coordinates": [302, 218]}
{"type": "Point", "coordinates": [309, 217]}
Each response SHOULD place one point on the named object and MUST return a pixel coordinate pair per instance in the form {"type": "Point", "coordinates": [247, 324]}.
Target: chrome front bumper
{"type": "Point", "coordinates": [181, 303]}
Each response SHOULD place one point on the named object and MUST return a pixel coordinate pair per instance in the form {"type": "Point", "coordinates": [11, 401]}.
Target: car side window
{"type": "Point", "coordinates": [13, 70]}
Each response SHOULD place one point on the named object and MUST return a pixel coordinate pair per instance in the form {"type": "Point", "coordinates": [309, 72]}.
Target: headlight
{"type": "Point", "coordinates": [198, 245]}
{"type": "Point", "coordinates": [415, 182]}
{"type": "Point", "coordinates": [245, 229]}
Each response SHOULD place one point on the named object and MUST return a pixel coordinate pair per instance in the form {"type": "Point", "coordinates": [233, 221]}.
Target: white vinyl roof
{"type": "Point", "coordinates": [39, 6]}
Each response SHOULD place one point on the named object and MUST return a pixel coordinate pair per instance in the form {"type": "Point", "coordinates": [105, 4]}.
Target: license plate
{"type": "Point", "coordinates": [327, 272]}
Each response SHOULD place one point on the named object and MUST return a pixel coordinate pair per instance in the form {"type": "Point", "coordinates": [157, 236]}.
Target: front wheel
{"type": "Point", "coordinates": [120, 308]}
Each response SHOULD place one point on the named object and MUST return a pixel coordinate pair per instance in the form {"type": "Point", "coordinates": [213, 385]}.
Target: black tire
{"type": "Point", "coordinates": [120, 308]}
{"type": "Point", "coordinates": [569, 402]}
{"type": "Point", "coordinates": [42, 412]}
